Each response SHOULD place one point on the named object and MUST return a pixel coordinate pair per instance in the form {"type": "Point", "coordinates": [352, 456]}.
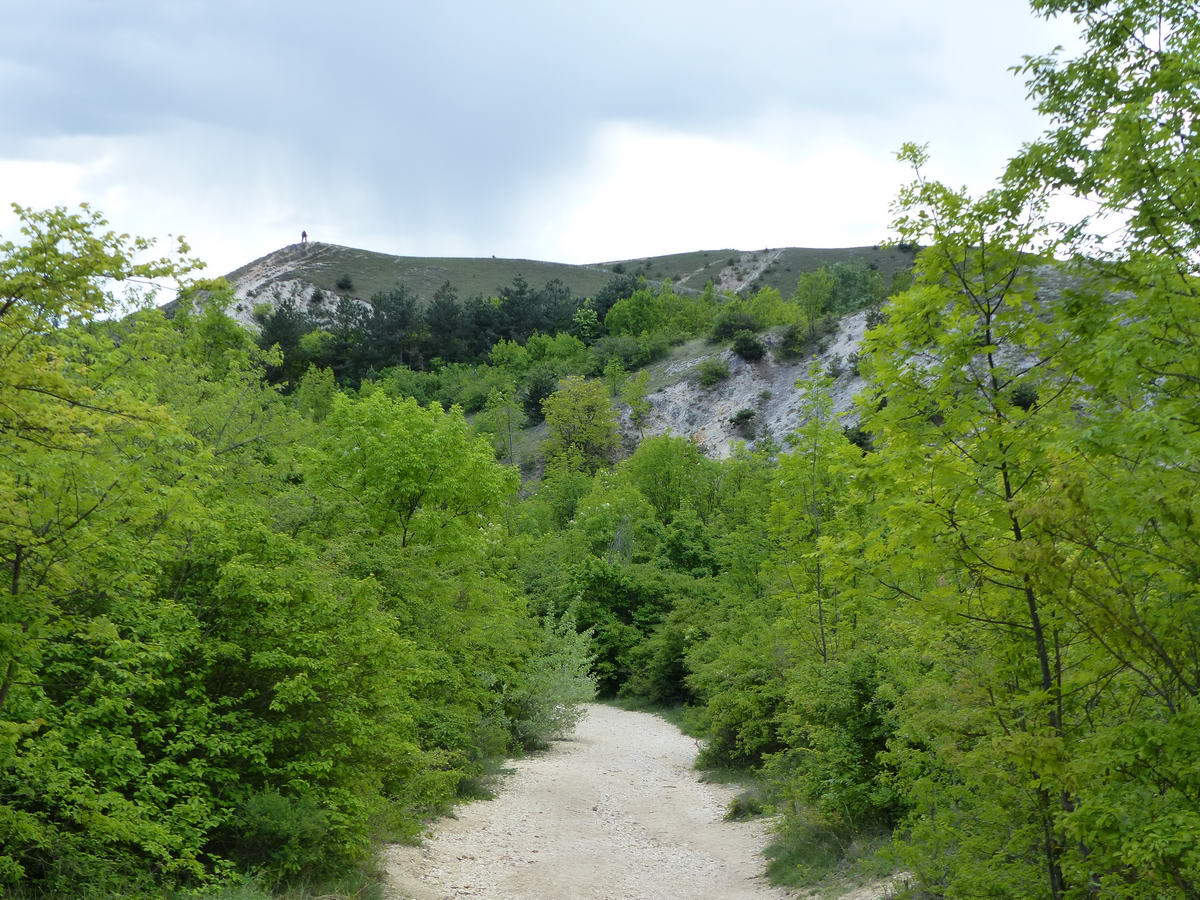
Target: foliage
{"type": "Point", "coordinates": [582, 421]}
{"type": "Point", "coordinates": [633, 394]}
{"type": "Point", "coordinates": [661, 312]}
{"type": "Point", "coordinates": [549, 701]}
{"type": "Point", "coordinates": [712, 371]}
{"type": "Point", "coordinates": [539, 385]}
{"type": "Point", "coordinates": [730, 322]}
{"type": "Point", "coordinates": [240, 631]}
{"type": "Point", "coordinates": [747, 345]}
{"type": "Point", "coordinates": [743, 422]}
{"type": "Point", "coordinates": [502, 418]}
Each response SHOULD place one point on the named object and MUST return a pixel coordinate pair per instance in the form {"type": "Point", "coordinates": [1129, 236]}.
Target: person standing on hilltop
{"type": "Point", "coordinates": [303, 237]}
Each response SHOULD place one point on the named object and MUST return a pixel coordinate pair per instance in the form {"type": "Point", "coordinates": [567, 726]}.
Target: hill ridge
{"type": "Point", "coordinates": [297, 270]}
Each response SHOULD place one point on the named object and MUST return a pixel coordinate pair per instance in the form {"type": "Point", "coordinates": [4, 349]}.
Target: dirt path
{"type": "Point", "coordinates": [615, 813]}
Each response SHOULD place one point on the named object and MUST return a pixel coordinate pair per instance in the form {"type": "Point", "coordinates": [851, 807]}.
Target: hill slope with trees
{"type": "Point", "coordinates": [272, 598]}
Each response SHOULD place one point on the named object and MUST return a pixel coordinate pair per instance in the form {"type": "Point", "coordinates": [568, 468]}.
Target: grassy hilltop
{"type": "Point", "coordinates": [323, 264]}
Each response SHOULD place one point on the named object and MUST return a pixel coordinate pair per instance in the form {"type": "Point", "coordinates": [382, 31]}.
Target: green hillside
{"type": "Point", "coordinates": [324, 264]}
{"type": "Point", "coordinates": [771, 267]}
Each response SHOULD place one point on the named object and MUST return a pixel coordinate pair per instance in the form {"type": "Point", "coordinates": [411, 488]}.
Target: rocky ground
{"type": "Point", "coordinates": [615, 812]}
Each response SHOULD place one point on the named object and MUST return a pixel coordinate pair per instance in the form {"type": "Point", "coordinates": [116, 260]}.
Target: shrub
{"type": "Point", "coordinates": [835, 367]}
{"type": "Point", "coordinates": [631, 352]}
{"type": "Point", "coordinates": [798, 339]}
{"type": "Point", "coordinates": [859, 437]}
{"type": "Point", "coordinates": [749, 804]}
{"type": "Point", "coordinates": [542, 382]}
{"type": "Point", "coordinates": [730, 322]}
{"type": "Point", "coordinates": [548, 702]}
{"type": "Point", "coordinates": [747, 345]}
{"type": "Point", "coordinates": [344, 283]}
{"type": "Point", "coordinates": [743, 422]}
{"type": "Point", "coordinates": [712, 371]}
{"type": "Point", "coordinates": [1024, 397]}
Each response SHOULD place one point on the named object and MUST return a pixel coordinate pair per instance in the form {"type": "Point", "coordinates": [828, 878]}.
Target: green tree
{"type": "Point", "coordinates": [582, 421]}
{"type": "Point", "coordinates": [633, 394]}
{"type": "Point", "coordinates": [503, 418]}
{"type": "Point", "coordinates": [814, 293]}
{"type": "Point", "coordinates": [400, 468]}
{"type": "Point", "coordinates": [315, 392]}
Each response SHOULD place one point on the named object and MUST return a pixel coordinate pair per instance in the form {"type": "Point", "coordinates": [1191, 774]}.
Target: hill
{"type": "Point", "coordinates": [295, 270]}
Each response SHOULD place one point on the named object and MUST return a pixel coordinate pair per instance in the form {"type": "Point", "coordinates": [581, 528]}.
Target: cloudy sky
{"type": "Point", "coordinates": [574, 131]}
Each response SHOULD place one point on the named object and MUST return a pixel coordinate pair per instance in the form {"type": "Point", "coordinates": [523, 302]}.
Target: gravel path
{"type": "Point", "coordinates": [615, 813]}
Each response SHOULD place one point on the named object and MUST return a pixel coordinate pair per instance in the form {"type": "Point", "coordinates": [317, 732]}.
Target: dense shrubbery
{"type": "Point", "coordinates": [239, 633]}
{"type": "Point", "coordinates": [971, 617]}
{"type": "Point", "coordinates": [747, 345]}
{"type": "Point", "coordinates": [731, 321]}
{"type": "Point", "coordinates": [244, 631]}
{"type": "Point", "coordinates": [712, 372]}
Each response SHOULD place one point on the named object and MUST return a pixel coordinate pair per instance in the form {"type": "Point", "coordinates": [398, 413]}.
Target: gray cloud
{"type": "Point", "coordinates": [439, 115]}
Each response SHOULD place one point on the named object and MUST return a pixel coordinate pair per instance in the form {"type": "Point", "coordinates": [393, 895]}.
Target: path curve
{"type": "Point", "coordinates": [614, 813]}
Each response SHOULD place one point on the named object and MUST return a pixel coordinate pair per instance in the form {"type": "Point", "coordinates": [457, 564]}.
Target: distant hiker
{"type": "Point", "coordinates": [304, 237]}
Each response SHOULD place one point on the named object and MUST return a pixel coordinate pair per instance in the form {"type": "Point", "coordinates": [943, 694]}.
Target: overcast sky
{"type": "Point", "coordinates": [573, 131]}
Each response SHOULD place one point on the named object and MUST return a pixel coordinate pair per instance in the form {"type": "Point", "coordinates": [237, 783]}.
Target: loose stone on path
{"type": "Point", "coordinates": [614, 813]}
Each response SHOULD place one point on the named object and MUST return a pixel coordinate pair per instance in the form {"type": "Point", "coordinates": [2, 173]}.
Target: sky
{"type": "Point", "coordinates": [570, 131]}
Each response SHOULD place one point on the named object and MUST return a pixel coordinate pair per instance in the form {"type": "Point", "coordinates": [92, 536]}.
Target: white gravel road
{"type": "Point", "coordinates": [616, 812]}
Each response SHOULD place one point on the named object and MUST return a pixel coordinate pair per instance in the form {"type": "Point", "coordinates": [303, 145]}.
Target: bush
{"type": "Point", "coordinates": [747, 345]}
{"type": "Point", "coordinates": [799, 340]}
{"type": "Point", "coordinates": [835, 367]}
{"type": "Point", "coordinates": [631, 352]}
{"type": "Point", "coordinates": [542, 382]}
{"type": "Point", "coordinates": [730, 322]}
{"type": "Point", "coordinates": [556, 683]}
{"type": "Point", "coordinates": [859, 437]}
{"type": "Point", "coordinates": [743, 422]}
{"type": "Point", "coordinates": [344, 283]}
{"type": "Point", "coordinates": [711, 372]}
{"type": "Point", "coordinates": [1024, 396]}
{"type": "Point", "coordinates": [749, 804]}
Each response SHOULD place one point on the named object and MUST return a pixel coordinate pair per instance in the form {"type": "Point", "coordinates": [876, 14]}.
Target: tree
{"type": "Point", "coordinates": [502, 417]}
{"type": "Point", "coordinates": [814, 293]}
{"type": "Point", "coordinates": [618, 287]}
{"type": "Point", "coordinates": [633, 394]}
{"type": "Point", "coordinates": [1066, 516]}
{"type": "Point", "coordinates": [444, 326]}
{"type": "Point", "coordinates": [394, 330]}
{"type": "Point", "coordinates": [581, 420]}
{"type": "Point", "coordinates": [409, 470]}
{"type": "Point", "coordinates": [614, 376]}
{"type": "Point", "coordinates": [585, 324]}
{"type": "Point", "coordinates": [74, 448]}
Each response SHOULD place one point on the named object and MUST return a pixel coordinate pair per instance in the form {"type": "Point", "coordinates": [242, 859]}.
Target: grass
{"type": "Point", "coordinates": [323, 264]}
{"type": "Point", "coordinates": [363, 883]}
{"type": "Point", "coordinates": [371, 272]}
{"type": "Point", "coordinates": [679, 267]}
{"type": "Point", "coordinates": [807, 854]}
{"type": "Point", "coordinates": [782, 274]}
